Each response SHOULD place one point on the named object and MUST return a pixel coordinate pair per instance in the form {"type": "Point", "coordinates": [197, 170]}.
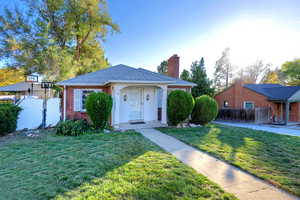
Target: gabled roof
{"type": "Point", "coordinates": [274, 92]}
{"type": "Point", "coordinates": [20, 87]}
{"type": "Point", "coordinates": [123, 74]}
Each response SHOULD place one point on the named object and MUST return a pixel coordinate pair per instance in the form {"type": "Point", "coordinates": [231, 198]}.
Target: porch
{"type": "Point", "coordinates": [139, 105]}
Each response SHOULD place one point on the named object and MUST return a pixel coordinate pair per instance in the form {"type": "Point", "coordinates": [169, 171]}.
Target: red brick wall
{"type": "Point", "coordinates": [173, 66]}
{"type": "Point", "coordinates": [295, 112]}
{"type": "Point", "coordinates": [70, 114]}
{"type": "Point", "coordinates": [174, 86]}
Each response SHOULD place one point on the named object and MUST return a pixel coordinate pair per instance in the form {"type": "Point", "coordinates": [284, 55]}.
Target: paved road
{"type": "Point", "coordinates": [231, 179]}
{"type": "Point", "coordinates": [278, 130]}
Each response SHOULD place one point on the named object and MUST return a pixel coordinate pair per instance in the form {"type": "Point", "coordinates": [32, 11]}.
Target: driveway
{"type": "Point", "coordinates": [261, 127]}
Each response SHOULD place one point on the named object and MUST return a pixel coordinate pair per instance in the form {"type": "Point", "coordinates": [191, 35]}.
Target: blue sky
{"type": "Point", "coordinates": [152, 31]}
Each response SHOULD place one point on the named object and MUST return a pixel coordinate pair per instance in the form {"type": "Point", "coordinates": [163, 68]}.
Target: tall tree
{"type": "Point", "coordinates": [199, 76]}
{"type": "Point", "coordinates": [56, 38]}
{"type": "Point", "coordinates": [10, 76]}
{"type": "Point", "coordinates": [254, 73]}
{"type": "Point", "coordinates": [163, 67]}
{"type": "Point", "coordinates": [273, 76]}
{"type": "Point", "coordinates": [291, 70]}
{"type": "Point", "coordinates": [223, 71]}
{"type": "Point", "coordinates": [185, 75]}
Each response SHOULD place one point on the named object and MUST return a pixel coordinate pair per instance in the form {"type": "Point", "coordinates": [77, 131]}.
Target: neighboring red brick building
{"type": "Point", "coordinates": [274, 96]}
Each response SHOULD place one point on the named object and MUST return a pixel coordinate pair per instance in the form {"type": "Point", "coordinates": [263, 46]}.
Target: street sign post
{"type": "Point", "coordinates": [45, 85]}
{"type": "Point", "coordinates": [31, 79]}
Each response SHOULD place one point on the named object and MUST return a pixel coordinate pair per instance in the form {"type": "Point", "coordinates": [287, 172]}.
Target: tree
{"type": "Point", "coordinates": [291, 71]}
{"type": "Point", "coordinates": [253, 72]}
{"type": "Point", "coordinates": [273, 76]}
{"type": "Point", "coordinates": [199, 76]}
{"type": "Point", "coordinates": [185, 75]}
{"type": "Point", "coordinates": [10, 76]}
{"type": "Point", "coordinates": [163, 67]}
{"type": "Point", "coordinates": [56, 38]}
{"type": "Point", "coordinates": [223, 71]}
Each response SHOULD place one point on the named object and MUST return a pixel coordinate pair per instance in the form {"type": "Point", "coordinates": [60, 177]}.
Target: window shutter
{"type": "Point", "coordinates": [77, 99]}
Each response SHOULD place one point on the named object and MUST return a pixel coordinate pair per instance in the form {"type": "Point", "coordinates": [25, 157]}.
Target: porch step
{"type": "Point", "coordinates": [128, 126]}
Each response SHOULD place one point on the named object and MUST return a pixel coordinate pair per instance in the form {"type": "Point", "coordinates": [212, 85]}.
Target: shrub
{"type": "Point", "coordinates": [205, 110]}
{"type": "Point", "coordinates": [8, 118]}
{"type": "Point", "coordinates": [180, 105]}
{"type": "Point", "coordinates": [72, 127]}
{"type": "Point", "coordinates": [98, 107]}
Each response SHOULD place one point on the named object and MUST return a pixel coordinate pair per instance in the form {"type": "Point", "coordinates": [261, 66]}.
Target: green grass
{"type": "Point", "coordinates": [99, 166]}
{"type": "Point", "coordinates": [273, 157]}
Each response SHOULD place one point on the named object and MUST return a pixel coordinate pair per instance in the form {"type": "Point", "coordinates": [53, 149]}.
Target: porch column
{"type": "Point", "coordinates": [164, 104]}
{"type": "Point", "coordinates": [287, 112]}
{"type": "Point", "coordinates": [116, 106]}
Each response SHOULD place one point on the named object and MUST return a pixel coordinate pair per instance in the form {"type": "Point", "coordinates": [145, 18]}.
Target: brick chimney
{"type": "Point", "coordinates": [173, 66]}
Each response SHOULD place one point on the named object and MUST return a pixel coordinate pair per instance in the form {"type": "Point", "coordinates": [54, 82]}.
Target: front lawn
{"type": "Point", "coordinates": [100, 166]}
{"type": "Point", "coordinates": [273, 157]}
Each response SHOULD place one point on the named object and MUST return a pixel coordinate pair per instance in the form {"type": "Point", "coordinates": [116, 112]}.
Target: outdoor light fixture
{"type": "Point", "coordinates": [147, 97]}
{"type": "Point", "coordinates": [125, 97]}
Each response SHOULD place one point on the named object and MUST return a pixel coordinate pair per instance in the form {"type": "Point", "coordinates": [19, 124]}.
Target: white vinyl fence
{"type": "Point", "coordinates": [31, 116]}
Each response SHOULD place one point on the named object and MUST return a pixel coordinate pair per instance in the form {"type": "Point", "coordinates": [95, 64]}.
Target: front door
{"type": "Point", "coordinates": [135, 101]}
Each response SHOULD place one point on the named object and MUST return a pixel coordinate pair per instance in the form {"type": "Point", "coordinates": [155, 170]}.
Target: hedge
{"type": "Point", "coordinates": [205, 110]}
{"type": "Point", "coordinates": [98, 107]}
{"type": "Point", "coordinates": [8, 118]}
{"type": "Point", "coordinates": [179, 106]}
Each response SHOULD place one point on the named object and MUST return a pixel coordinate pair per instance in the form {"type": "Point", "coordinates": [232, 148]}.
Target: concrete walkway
{"type": "Point", "coordinates": [231, 179]}
{"type": "Point", "coordinates": [261, 127]}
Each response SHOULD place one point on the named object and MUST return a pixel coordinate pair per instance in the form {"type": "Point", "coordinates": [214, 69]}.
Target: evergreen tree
{"type": "Point", "coordinates": [185, 75]}
{"type": "Point", "coordinates": [163, 67]}
{"type": "Point", "coordinates": [199, 76]}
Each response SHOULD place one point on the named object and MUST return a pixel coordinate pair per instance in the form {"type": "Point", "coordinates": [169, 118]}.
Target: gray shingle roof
{"type": "Point", "coordinates": [122, 73]}
{"type": "Point", "coordinates": [19, 87]}
{"type": "Point", "coordinates": [274, 91]}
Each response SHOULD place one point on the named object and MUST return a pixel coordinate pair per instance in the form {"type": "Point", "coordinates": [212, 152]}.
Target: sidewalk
{"type": "Point", "coordinates": [279, 130]}
{"type": "Point", "coordinates": [231, 179]}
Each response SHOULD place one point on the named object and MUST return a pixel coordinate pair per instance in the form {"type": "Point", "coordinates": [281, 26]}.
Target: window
{"type": "Point", "coordinates": [84, 95]}
{"type": "Point", "coordinates": [248, 105]}
{"type": "Point", "coordinates": [80, 96]}
{"type": "Point", "coordinates": [226, 104]}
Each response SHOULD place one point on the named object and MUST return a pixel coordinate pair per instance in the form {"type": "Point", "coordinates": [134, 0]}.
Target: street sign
{"type": "Point", "coordinates": [46, 84]}
{"type": "Point", "coordinates": [32, 78]}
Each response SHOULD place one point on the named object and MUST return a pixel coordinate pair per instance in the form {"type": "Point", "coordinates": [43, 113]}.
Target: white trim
{"type": "Point", "coordinates": [65, 103]}
{"type": "Point", "coordinates": [245, 102]}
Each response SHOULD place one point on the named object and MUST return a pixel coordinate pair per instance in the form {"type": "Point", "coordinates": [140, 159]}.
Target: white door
{"type": "Point", "coordinates": [135, 101]}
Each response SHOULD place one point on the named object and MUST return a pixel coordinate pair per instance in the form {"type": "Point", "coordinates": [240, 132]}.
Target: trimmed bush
{"type": "Point", "coordinates": [8, 118]}
{"type": "Point", "coordinates": [72, 127]}
{"type": "Point", "coordinates": [98, 106]}
{"type": "Point", "coordinates": [205, 110]}
{"type": "Point", "coordinates": [180, 106]}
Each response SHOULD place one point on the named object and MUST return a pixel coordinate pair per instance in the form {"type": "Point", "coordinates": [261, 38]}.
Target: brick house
{"type": "Point", "coordinates": [139, 95]}
{"type": "Point", "coordinates": [274, 96]}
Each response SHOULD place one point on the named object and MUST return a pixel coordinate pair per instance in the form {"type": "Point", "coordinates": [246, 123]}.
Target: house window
{"type": "Point", "coordinates": [85, 93]}
{"type": "Point", "coordinates": [226, 104]}
{"type": "Point", "coordinates": [248, 105]}
{"type": "Point", "coordinates": [80, 96]}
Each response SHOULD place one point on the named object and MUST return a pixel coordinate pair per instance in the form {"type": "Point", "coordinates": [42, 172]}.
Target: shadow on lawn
{"type": "Point", "coordinates": [269, 156]}
{"type": "Point", "coordinates": [42, 169]}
